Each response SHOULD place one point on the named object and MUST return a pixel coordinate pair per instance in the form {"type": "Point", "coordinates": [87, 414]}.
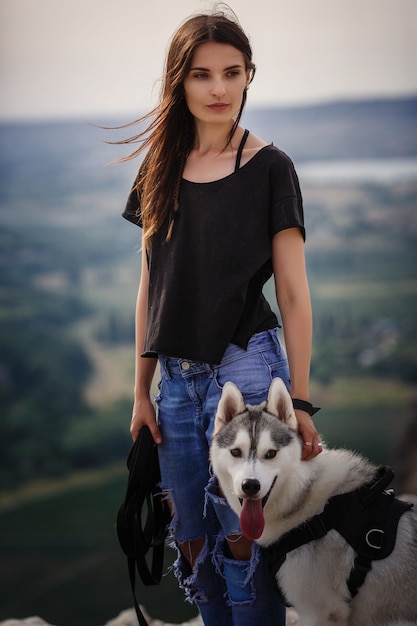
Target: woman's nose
{"type": "Point", "coordinates": [218, 88]}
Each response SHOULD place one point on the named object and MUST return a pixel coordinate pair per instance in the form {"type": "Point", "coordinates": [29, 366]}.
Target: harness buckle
{"type": "Point", "coordinates": [369, 492]}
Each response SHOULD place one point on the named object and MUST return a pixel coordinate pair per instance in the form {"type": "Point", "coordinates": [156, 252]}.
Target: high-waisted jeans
{"type": "Point", "coordinates": [228, 592]}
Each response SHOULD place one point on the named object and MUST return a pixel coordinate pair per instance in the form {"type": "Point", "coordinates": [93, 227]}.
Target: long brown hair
{"type": "Point", "coordinates": [169, 137]}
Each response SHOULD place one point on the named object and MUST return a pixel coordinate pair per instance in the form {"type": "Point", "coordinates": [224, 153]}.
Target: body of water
{"type": "Point", "coordinates": [373, 171]}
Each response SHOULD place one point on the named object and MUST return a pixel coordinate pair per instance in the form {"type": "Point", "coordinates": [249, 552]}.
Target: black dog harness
{"type": "Point", "coordinates": [367, 518]}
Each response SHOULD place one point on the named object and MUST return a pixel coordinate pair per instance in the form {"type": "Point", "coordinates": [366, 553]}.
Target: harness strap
{"type": "Point", "coordinates": [358, 573]}
{"type": "Point", "coordinates": [336, 512]}
{"type": "Point", "coordinates": [367, 518]}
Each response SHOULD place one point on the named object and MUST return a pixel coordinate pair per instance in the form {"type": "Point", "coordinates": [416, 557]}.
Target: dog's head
{"type": "Point", "coordinates": [252, 446]}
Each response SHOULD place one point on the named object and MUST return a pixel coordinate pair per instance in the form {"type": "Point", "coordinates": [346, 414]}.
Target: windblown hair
{"type": "Point", "coordinates": [169, 137]}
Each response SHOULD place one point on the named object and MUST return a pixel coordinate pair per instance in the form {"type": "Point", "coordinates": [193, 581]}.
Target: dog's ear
{"type": "Point", "coordinates": [231, 403]}
{"type": "Point", "coordinates": [279, 403]}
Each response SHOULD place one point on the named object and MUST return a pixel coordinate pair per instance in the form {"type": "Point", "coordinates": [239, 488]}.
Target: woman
{"type": "Point", "coordinates": [221, 211]}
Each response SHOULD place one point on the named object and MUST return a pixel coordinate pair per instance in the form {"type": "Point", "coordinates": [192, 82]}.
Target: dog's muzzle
{"type": "Point", "coordinates": [252, 486]}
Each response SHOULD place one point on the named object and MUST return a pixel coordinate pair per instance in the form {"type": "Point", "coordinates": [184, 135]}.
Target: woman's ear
{"type": "Point", "coordinates": [250, 73]}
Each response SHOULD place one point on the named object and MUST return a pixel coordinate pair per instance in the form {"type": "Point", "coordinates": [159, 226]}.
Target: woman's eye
{"type": "Point", "coordinates": [236, 452]}
{"type": "Point", "coordinates": [271, 454]}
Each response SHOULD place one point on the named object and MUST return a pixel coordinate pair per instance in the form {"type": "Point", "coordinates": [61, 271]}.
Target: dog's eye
{"type": "Point", "coordinates": [271, 454]}
{"type": "Point", "coordinates": [236, 452]}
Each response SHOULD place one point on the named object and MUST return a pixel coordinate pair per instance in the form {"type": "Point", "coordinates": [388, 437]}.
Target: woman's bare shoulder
{"type": "Point", "coordinates": [252, 146]}
{"type": "Point", "coordinates": [255, 143]}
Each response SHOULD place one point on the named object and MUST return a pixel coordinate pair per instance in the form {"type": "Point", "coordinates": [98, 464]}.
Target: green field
{"type": "Point", "coordinates": [61, 558]}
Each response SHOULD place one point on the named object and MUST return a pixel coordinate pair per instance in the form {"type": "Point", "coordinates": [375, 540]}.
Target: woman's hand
{"type": "Point", "coordinates": [144, 414]}
{"type": "Point", "coordinates": [311, 440]}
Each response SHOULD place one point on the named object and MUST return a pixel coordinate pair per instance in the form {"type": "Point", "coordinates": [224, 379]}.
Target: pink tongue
{"type": "Point", "coordinates": [252, 520]}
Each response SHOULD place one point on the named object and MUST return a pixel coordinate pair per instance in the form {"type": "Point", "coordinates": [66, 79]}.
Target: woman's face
{"type": "Point", "coordinates": [213, 88]}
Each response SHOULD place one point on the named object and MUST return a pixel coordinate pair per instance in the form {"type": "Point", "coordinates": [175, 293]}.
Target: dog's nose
{"type": "Point", "coordinates": [251, 486]}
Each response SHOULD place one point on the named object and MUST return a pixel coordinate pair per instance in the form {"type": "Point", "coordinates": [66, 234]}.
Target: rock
{"type": "Point", "coordinates": [29, 621]}
{"type": "Point", "coordinates": [128, 618]}
{"type": "Point", "coordinates": [292, 618]}
{"type": "Point", "coordinates": [197, 621]}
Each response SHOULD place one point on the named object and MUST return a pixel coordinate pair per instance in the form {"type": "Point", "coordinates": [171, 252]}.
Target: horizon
{"type": "Point", "coordinates": [87, 117]}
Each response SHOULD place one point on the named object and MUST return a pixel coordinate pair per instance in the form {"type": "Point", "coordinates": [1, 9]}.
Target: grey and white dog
{"type": "Point", "coordinates": [256, 456]}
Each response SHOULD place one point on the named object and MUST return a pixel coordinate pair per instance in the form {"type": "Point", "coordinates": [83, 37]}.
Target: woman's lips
{"type": "Point", "coordinates": [220, 106]}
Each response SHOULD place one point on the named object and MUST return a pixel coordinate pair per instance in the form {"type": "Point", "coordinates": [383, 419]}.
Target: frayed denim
{"type": "Point", "coordinates": [227, 592]}
{"type": "Point", "coordinates": [251, 589]}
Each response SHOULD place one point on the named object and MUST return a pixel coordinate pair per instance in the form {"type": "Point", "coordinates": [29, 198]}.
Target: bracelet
{"type": "Point", "coordinates": [303, 405]}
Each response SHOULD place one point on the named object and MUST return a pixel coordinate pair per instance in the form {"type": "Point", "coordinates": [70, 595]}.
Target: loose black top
{"type": "Point", "coordinates": [205, 284]}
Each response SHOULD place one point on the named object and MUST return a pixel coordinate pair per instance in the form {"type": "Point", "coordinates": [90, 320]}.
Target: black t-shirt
{"type": "Point", "coordinates": [205, 284]}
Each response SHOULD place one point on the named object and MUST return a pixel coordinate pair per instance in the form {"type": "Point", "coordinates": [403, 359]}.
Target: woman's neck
{"type": "Point", "coordinates": [213, 138]}
{"type": "Point", "coordinates": [212, 157]}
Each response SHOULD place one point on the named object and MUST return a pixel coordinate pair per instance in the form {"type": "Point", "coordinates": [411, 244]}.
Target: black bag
{"type": "Point", "coordinates": [143, 517]}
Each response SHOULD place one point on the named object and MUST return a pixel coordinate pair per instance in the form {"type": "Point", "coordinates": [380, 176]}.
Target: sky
{"type": "Point", "coordinates": [104, 58]}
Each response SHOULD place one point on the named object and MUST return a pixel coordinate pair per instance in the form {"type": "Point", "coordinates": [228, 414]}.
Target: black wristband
{"type": "Point", "coordinates": [303, 405]}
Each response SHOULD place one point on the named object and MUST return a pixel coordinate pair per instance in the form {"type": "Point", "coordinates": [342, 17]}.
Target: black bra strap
{"type": "Point", "coordinates": [240, 149]}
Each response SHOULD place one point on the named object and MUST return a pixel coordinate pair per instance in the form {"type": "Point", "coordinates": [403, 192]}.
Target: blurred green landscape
{"type": "Point", "coordinates": [70, 268]}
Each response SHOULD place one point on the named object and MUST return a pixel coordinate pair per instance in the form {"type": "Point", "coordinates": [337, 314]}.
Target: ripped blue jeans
{"type": "Point", "coordinates": [227, 592]}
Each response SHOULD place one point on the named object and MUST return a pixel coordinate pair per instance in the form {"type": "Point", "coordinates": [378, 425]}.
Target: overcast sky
{"type": "Point", "coordinates": [104, 57]}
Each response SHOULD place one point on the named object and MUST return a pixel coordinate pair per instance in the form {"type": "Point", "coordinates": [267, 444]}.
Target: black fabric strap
{"type": "Point", "coordinates": [303, 405]}
{"type": "Point", "coordinates": [338, 510]}
{"type": "Point", "coordinates": [141, 618]}
{"type": "Point", "coordinates": [143, 503]}
{"type": "Point", "coordinates": [345, 513]}
{"type": "Point", "coordinates": [240, 149]}
{"type": "Point", "coordinates": [361, 567]}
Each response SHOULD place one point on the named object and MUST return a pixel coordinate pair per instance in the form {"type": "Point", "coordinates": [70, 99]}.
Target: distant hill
{"type": "Point", "coordinates": [340, 130]}
{"type": "Point", "coordinates": [358, 129]}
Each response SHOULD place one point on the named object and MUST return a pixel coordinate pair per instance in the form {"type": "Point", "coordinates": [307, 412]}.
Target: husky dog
{"type": "Point", "coordinates": [256, 457]}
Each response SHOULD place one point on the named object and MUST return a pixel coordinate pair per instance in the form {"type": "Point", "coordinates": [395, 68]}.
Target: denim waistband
{"type": "Point", "coordinates": [259, 342]}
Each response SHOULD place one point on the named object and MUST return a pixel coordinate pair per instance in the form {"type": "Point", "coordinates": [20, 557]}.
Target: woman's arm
{"type": "Point", "coordinates": [143, 410]}
{"type": "Point", "coordinates": [293, 297]}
